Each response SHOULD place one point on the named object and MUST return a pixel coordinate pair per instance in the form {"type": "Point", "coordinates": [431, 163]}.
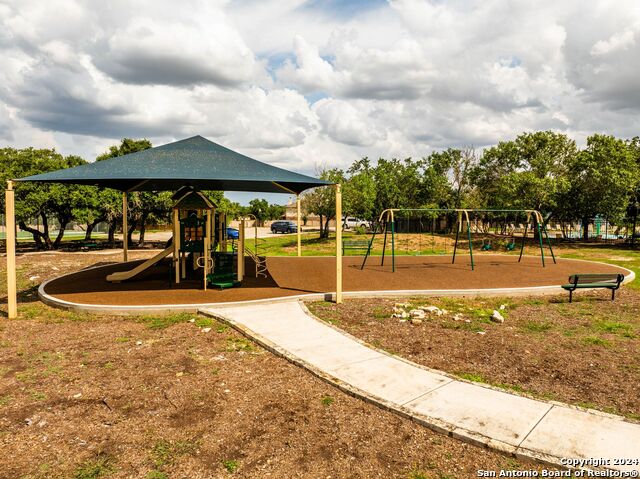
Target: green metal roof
{"type": "Point", "coordinates": [195, 162]}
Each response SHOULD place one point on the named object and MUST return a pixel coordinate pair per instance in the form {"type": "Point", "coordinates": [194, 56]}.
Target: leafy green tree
{"type": "Point", "coordinates": [359, 191]}
{"type": "Point", "coordinates": [602, 180]}
{"type": "Point", "coordinates": [144, 206]}
{"type": "Point", "coordinates": [41, 200]}
{"type": "Point", "coordinates": [529, 172]}
{"type": "Point", "coordinates": [321, 201]}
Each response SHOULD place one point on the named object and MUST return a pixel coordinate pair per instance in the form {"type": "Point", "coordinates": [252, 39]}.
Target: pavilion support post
{"type": "Point", "coordinates": [338, 244]}
{"type": "Point", "coordinates": [176, 244]}
{"type": "Point", "coordinates": [10, 238]}
{"type": "Point", "coordinates": [241, 250]}
{"type": "Point", "coordinates": [207, 248]}
{"type": "Point", "coordinates": [299, 226]}
{"type": "Point", "coordinates": [125, 229]}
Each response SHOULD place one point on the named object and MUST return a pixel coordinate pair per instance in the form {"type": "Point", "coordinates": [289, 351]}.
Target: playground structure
{"type": "Point", "coordinates": [198, 231]}
{"type": "Point", "coordinates": [387, 222]}
{"type": "Point", "coordinates": [196, 163]}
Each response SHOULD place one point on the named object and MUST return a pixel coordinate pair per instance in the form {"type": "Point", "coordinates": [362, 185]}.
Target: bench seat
{"type": "Point", "coordinates": [610, 281]}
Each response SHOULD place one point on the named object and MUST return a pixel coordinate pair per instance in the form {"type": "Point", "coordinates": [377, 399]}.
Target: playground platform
{"type": "Point", "coordinates": [314, 278]}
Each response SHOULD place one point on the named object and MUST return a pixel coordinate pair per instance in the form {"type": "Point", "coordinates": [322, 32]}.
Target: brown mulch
{"type": "Point", "coordinates": [82, 395]}
{"type": "Point", "coordinates": [292, 276]}
{"type": "Point", "coordinates": [584, 353]}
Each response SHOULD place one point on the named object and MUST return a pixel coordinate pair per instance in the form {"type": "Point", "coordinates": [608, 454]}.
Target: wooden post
{"type": "Point", "coordinates": [338, 244]}
{"type": "Point", "coordinates": [207, 242]}
{"type": "Point", "coordinates": [299, 225]}
{"type": "Point", "coordinates": [241, 250]}
{"type": "Point", "coordinates": [12, 295]}
{"type": "Point", "coordinates": [176, 244]}
{"type": "Point", "coordinates": [125, 229]}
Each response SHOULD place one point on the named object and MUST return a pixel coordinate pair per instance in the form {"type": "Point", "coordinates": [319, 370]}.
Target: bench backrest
{"type": "Point", "coordinates": [355, 243]}
{"type": "Point", "coordinates": [615, 278]}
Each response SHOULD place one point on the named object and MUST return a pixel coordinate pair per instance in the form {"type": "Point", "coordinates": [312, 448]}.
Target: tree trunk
{"type": "Point", "coordinates": [325, 233]}
{"type": "Point", "coordinates": [38, 236]}
{"type": "Point", "coordinates": [111, 237]}
{"type": "Point", "coordinates": [132, 228]}
{"type": "Point", "coordinates": [321, 224]}
{"type": "Point", "coordinates": [585, 228]}
{"type": "Point", "coordinates": [64, 221]}
{"type": "Point", "coordinates": [143, 227]}
{"type": "Point", "coordinates": [90, 227]}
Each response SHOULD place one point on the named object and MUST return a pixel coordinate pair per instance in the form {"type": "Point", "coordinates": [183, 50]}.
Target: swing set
{"type": "Point", "coordinates": [388, 223]}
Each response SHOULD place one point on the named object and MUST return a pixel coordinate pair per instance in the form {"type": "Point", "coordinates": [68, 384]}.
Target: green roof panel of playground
{"type": "Point", "coordinates": [195, 162]}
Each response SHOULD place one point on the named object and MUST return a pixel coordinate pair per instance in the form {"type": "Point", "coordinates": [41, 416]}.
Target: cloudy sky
{"type": "Point", "coordinates": [305, 84]}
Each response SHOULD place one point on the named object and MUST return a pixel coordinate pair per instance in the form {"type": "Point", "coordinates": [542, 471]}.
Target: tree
{"type": "Point", "coordinates": [321, 201]}
{"type": "Point", "coordinates": [359, 191]}
{"type": "Point", "coordinates": [143, 207]}
{"type": "Point", "coordinates": [41, 200]}
{"type": "Point", "coordinates": [260, 209]}
{"type": "Point", "coordinates": [529, 172]}
{"type": "Point", "coordinates": [602, 179]}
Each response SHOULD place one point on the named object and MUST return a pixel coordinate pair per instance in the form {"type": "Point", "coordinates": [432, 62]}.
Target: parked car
{"type": "Point", "coordinates": [232, 233]}
{"type": "Point", "coordinates": [351, 222]}
{"type": "Point", "coordinates": [284, 227]}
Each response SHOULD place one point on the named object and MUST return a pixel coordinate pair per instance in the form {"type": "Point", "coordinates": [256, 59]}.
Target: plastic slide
{"type": "Point", "coordinates": [124, 275]}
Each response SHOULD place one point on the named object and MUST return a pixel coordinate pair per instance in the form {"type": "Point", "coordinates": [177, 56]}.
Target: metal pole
{"type": "Point", "coordinates": [125, 228]}
{"type": "Point", "coordinates": [10, 217]}
{"type": "Point", "coordinates": [524, 238]}
{"type": "Point", "coordinates": [384, 241]}
{"type": "Point", "coordinates": [393, 245]}
{"type": "Point", "coordinates": [540, 240]}
{"type": "Point", "coordinates": [300, 226]}
{"type": "Point", "coordinates": [338, 244]}
{"type": "Point", "coordinates": [470, 245]}
{"type": "Point", "coordinates": [458, 228]}
{"type": "Point", "coordinates": [544, 227]}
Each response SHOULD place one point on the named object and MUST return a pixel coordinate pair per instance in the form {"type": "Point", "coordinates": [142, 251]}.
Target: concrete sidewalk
{"type": "Point", "coordinates": [541, 430]}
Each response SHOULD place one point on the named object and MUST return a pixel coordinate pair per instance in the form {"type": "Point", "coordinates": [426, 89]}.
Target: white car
{"type": "Point", "coordinates": [351, 222]}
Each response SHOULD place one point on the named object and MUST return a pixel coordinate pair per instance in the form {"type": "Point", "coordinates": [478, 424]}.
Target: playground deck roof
{"type": "Point", "coordinates": [195, 162]}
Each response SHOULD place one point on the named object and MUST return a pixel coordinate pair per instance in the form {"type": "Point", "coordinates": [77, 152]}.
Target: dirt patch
{"type": "Point", "coordinates": [97, 396]}
{"type": "Point", "coordinates": [127, 397]}
{"type": "Point", "coordinates": [583, 353]}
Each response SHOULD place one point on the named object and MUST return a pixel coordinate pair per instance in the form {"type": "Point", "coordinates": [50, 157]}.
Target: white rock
{"type": "Point", "coordinates": [496, 317]}
{"type": "Point", "coordinates": [33, 278]}
{"type": "Point", "coordinates": [402, 305]}
{"type": "Point", "coordinates": [138, 343]}
{"type": "Point", "coordinates": [192, 320]}
{"type": "Point", "coordinates": [482, 333]}
{"type": "Point", "coordinates": [415, 321]}
{"type": "Point", "coordinates": [457, 317]}
{"type": "Point", "coordinates": [417, 313]}
{"type": "Point", "coordinates": [503, 307]}
{"type": "Point", "coordinates": [54, 268]}
{"type": "Point", "coordinates": [206, 330]}
{"type": "Point", "coordinates": [77, 396]}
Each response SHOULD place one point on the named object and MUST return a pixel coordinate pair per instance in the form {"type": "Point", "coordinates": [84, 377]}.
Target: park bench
{"type": "Point", "coordinates": [610, 281]}
{"type": "Point", "coordinates": [356, 245]}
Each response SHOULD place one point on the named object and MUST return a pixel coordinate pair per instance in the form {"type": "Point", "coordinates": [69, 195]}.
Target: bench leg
{"type": "Point", "coordinates": [570, 295]}
{"type": "Point", "coordinates": [613, 294]}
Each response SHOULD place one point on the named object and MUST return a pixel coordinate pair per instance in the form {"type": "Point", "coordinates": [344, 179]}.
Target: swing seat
{"type": "Point", "coordinates": [486, 247]}
{"type": "Point", "coordinates": [510, 246]}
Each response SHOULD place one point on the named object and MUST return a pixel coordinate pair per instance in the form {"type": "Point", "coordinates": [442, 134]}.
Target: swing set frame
{"type": "Point", "coordinates": [388, 221]}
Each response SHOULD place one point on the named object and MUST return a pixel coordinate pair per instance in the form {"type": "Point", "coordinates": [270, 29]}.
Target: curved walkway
{"type": "Point", "coordinates": [542, 430]}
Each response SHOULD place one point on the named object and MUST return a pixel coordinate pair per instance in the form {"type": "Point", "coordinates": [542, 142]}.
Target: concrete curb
{"type": "Point", "coordinates": [194, 307]}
